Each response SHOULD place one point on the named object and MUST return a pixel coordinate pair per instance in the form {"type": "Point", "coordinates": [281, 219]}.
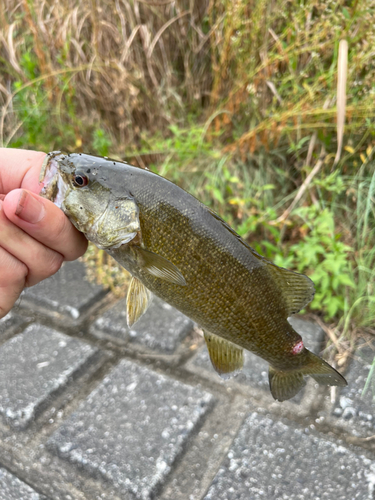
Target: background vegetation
{"type": "Point", "coordinates": [235, 101]}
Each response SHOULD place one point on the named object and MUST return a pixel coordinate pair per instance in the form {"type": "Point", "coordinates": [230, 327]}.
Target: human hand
{"type": "Point", "coordinates": [35, 236]}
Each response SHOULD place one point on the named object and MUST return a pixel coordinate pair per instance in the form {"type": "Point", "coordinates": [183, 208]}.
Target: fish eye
{"type": "Point", "coordinates": [80, 180]}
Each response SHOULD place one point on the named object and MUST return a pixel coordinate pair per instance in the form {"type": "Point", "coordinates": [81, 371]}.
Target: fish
{"type": "Point", "coordinates": [180, 250]}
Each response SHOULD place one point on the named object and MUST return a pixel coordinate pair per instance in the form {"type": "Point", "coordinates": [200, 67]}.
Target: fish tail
{"type": "Point", "coordinates": [285, 384]}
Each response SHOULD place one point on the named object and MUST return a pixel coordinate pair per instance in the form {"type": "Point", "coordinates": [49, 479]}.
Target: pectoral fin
{"type": "Point", "coordinates": [158, 266]}
{"type": "Point", "coordinates": [225, 356]}
{"type": "Point", "coordinates": [137, 302]}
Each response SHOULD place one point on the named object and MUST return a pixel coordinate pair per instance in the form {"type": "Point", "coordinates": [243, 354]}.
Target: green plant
{"type": "Point", "coordinates": [233, 101]}
{"type": "Point", "coordinates": [324, 258]}
{"type": "Point", "coordinates": [30, 105]}
{"type": "Point", "coordinates": [101, 142]}
{"type": "Point", "coordinates": [362, 299]}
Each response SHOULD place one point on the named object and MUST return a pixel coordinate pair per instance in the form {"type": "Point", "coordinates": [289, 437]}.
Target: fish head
{"type": "Point", "coordinates": [80, 185]}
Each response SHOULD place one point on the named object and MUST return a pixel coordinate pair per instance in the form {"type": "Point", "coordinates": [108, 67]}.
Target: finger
{"type": "Point", "coordinates": [20, 168]}
{"type": "Point", "coordinates": [12, 281]}
{"type": "Point", "coordinates": [46, 223]}
{"type": "Point", "coordinates": [40, 260]}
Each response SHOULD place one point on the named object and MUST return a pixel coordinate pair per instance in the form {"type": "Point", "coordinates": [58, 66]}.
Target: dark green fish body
{"type": "Point", "coordinates": [228, 288]}
{"type": "Point", "coordinates": [181, 251]}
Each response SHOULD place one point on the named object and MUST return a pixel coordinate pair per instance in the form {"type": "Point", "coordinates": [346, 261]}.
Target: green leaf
{"type": "Point", "coordinates": [217, 194]}
{"type": "Point", "coordinates": [345, 13]}
{"type": "Point", "coordinates": [346, 280]}
{"type": "Point", "coordinates": [333, 305]}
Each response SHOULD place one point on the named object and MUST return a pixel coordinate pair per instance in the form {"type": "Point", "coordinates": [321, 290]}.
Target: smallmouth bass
{"type": "Point", "coordinates": [180, 250]}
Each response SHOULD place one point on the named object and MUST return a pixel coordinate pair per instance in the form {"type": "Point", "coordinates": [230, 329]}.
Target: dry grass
{"type": "Point", "coordinates": [259, 72]}
{"type": "Point", "coordinates": [233, 99]}
{"type": "Point", "coordinates": [128, 64]}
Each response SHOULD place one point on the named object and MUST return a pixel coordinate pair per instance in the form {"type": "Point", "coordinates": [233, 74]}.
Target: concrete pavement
{"type": "Point", "coordinates": [90, 409]}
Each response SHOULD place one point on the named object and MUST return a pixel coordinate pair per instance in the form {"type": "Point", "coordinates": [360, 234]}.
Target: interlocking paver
{"type": "Point", "coordinates": [11, 488]}
{"type": "Point", "coordinates": [33, 365]}
{"type": "Point", "coordinates": [161, 328]}
{"type": "Point", "coordinates": [132, 427]}
{"type": "Point", "coordinates": [354, 409]}
{"type": "Point", "coordinates": [270, 460]}
{"type": "Point", "coordinates": [12, 321]}
{"type": "Point", "coordinates": [124, 439]}
{"type": "Point", "coordinates": [67, 293]}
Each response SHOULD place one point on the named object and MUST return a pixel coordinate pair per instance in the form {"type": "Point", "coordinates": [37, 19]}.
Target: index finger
{"type": "Point", "coordinates": [20, 168]}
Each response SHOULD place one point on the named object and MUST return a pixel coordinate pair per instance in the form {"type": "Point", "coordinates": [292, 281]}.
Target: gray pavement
{"type": "Point", "coordinates": [92, 410]}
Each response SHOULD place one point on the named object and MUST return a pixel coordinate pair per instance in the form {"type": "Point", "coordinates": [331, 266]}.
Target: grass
{"type": "Point", "coordinates": [235, 101]}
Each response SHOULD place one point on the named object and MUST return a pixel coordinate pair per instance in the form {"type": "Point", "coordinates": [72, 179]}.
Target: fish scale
{"type": "Point", "coordinates": [179, 249]}
{"type": "Point", "coordinates": [232, 285]}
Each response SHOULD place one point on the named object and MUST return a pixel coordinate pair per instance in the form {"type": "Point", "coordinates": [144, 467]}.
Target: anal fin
{"type": "Point", "coordinates": [137, 301]}
{"type": "Point", "coordinates": [225, 356]}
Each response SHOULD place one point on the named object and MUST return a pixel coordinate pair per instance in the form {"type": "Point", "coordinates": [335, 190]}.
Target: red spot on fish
{"type": "Point", "coordinates": [298, 347]}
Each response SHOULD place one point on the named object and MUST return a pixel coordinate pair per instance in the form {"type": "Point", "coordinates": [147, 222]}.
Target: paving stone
{"type": "Point", "coordinates": [161, 328]}
{"type": "Point", "coordinates": [269, 460]}
{"type": "Point", "coordinates": [131, 428]}
{"type": "Point", "coordinates": [354, 410]}
{"type": "Point", "coordinates": [68, 292]}
{"type": "Point", "coordinates": [11, 322]}
{"type": "Point", "coordinates": [11, 488]}
{"type": "Point", "coordinates": [255, 370]}
{"type": "Point", "coordinates": [34, 365]}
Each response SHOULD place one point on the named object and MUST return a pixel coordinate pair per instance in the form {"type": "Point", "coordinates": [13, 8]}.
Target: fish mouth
{"type": "Point", "coordinates": [54, 188]}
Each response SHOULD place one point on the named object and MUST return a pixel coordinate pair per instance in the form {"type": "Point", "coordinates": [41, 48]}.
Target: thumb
{"type": "Point", "coordinates": [45, 222]}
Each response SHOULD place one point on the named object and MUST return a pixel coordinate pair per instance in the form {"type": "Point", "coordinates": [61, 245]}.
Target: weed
{"type": "Point", "coordinates": [233, 101]}
{"type": "Point", "coordinates": [101, 142]}
{"type": "Point", "coordinates": [321, 255]}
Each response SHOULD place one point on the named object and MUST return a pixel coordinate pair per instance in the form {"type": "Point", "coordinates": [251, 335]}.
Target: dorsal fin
{"type": "Point", "coordinates": [233, 232]}
{"type": "Point", "coordinates": [297, 289]}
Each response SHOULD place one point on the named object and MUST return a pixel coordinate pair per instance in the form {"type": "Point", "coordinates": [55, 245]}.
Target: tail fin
{"type": "Point", "coordinates": [285, 384]}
